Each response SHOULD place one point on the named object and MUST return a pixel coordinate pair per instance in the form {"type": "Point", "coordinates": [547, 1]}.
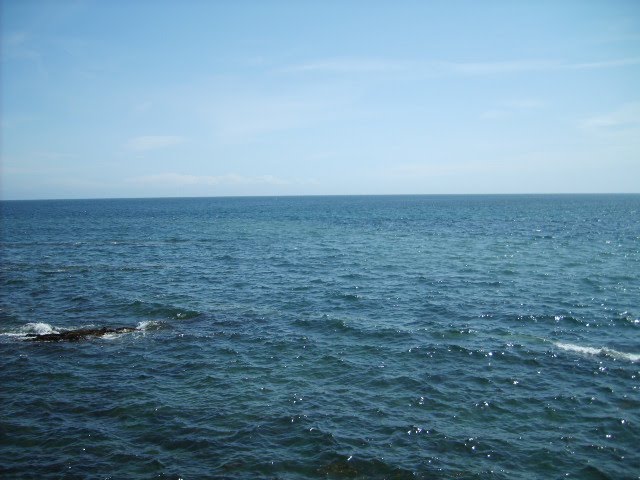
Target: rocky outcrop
{"type": "Point", "coordinates": [79, 334]}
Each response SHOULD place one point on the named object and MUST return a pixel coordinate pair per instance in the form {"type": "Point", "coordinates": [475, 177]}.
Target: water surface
{"type": "Point", "coordinates": [323, 337]}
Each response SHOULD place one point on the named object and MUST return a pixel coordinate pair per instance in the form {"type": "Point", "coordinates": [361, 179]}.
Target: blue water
{"type": "Point", "coordinates": [412, 337]}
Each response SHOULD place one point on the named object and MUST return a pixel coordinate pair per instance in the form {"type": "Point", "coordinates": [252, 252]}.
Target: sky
{"type": "Point", "coordinates": [147, 98]}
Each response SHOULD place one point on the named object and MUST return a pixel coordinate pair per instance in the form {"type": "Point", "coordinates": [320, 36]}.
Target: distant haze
{"type": "Point", "coordinates": [195, 98]}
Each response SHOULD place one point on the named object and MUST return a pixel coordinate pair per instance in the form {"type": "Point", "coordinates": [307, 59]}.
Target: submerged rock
{"type": "Point", "coordinates": [79, 334]}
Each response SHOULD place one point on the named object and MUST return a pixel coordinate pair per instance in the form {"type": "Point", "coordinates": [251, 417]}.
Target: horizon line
{"type": "Point", "coordinates": [322, 195]}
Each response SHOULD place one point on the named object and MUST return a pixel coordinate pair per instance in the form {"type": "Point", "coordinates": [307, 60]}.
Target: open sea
{"type": "Point", "coordinates": [383, 337]}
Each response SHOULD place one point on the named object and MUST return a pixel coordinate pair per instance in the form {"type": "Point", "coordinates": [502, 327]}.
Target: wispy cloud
{"type": "Point", "coordinates": [18, 46]}
{"type": "Point", "coordinates": [495, 113]}
{"type": "Point", "coordinates": [623, 118]}
{"type": "Point", "coordinates": [349, 65]}
{"type": "Point", "coordinates": [153, 142]}
{"type": "Point", "coordinates": [420, 170]}
{"type": "Point", "coordinates": [142, 107]}
{"type": "Point", "coordinates": [525, 103]}
{"type": "Point", "coordinates": [243, 116]}
{"type": "Point", "coordinates": [533, 65]}
{"type": "Point", "coordinates": [14, 39]}
{"type": "Point", "coordinates": [53, 156]}
{"type": "Point", "coordinates": [432, 68]}
{"type": "Point", "coordinates": [179, 179]}
{"type": "Point", "coordinates": [490, 68]}
{"type": "Point", "coordinates": [621, 62]}
{"type": "Point", "coordinates": [39, 170]}
{"type": "Point", "coordinates": [240, 118]}
{"type": "Point", "coordinates": [511, 107]}
{"type": "Point", "coordinates": [10, 121]}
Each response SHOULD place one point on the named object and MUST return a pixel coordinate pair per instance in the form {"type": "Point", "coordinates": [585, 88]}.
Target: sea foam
{"type": "Point", "coordinates": [570, 347]}
{"type": "Point", "coordinates": [38, 328]}
{"type": "Point", "coordinates": [148, 325]}
{"type": "Point", "coordinates": [29, 329]}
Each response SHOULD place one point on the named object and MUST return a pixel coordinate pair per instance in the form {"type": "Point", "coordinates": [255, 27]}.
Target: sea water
{"type": "Point", "coordinates": [413, 337]}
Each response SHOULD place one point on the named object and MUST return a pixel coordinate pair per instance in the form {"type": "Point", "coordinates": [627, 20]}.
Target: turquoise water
{"type": "Point", "coordinates": [323, 337]}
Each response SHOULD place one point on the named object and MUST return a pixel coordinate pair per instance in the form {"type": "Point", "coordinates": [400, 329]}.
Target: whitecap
{"type": "Point", "coordinates": [30, 329]}
{"type": "Point", "coordinates": [148, 325]}
{"type": "Point", "coordinates": [109, 336]}
{"type": "Point", "coordinates": [609, 352]}
{"type": "Point", "coordinates": [39, 328]}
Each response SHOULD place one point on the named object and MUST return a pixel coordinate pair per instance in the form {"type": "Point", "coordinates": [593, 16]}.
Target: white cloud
{"type": "Point", "coordinates": [179, 179]}
{"type": "Point", "coordinates": [153, 142]}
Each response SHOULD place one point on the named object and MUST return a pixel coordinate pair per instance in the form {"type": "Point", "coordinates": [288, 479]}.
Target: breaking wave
{"type": "Point", "coordinates": [40, 328]}
{"type": "Point", "coordinates": [608, 352]}
{"type": "Point", "coordinates": [34, 328]}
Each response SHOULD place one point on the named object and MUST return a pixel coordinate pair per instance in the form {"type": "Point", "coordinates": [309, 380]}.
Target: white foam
{"type": "Point", "coordinates": [38, 328]}
{"type": "Point", "coordinates": [35, 328]}
{"type": "Point", "coordinates": [148, 325]}
{"type": "Point", "coordinates": [12, 334]}
{"type": "Point", "coordinates": [631, 357]}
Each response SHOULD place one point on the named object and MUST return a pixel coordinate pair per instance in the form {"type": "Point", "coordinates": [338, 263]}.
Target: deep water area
{"type": "Point", "coordinates": [418, 337]}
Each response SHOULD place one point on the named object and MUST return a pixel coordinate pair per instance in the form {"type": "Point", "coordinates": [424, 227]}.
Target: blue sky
{"type": "Point", "coordinates": [163, 98]}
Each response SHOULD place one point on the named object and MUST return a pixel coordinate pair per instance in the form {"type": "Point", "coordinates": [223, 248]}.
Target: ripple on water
{"type": "Point", "coordinates": [368, 337]}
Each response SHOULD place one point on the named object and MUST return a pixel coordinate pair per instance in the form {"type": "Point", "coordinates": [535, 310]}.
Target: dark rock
{"type": "Point", "coordinates": [79, 334]}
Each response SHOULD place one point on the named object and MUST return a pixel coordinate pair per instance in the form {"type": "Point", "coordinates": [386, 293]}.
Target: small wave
{"type": "Point", "coordinates": [30, 329]}
{"type": "Point", "coordinates": [351, 297]}
{"type": "Point", "coordinates": [37, 328]}
{"type": "Point", "coordinates": [630, 319]}
{"type": "Point", "coordinates": [154, 309]}
{"type": "Point", "coordinates": [570, 347]}
{"type": "Point", "coordinates": [148, 325]}
{"type": "Point", "coordinates": [109, 336]}
{"type": "Point", "coordinates": [351, 467]}
{"type": "Point", "coordinates": [458, 332]}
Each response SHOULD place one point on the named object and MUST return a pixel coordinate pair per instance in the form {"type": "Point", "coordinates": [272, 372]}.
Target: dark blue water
{"type": "Point", "coordinates": [322, 337]}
